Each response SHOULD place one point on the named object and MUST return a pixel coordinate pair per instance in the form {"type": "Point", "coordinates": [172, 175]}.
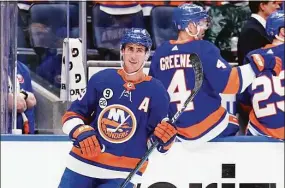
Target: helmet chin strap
{"type": "Point", "coordinates": [279, 38]}
{"type": "Point", "coordinates": [135, 72]}
{"type": "Point", "coordinates": [195, 35]}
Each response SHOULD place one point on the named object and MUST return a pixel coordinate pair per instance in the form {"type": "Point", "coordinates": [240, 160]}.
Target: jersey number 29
{"type": "Point", "coordinates": [270, 85]}
{"type": "Point", "coordinates": [178, 91]}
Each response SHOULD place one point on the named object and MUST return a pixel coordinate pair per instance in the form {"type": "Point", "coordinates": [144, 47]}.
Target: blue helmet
{"type": "Point", "coordinates": [186, 13]}
{"type": "Point", "coordinates": [137, 36]}
{"type": "Point", "coordinates": [274, 22]}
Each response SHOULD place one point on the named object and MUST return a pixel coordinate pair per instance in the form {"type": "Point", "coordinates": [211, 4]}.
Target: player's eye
{"type": "Point", "coordinates": [130, 49]}
{"type": "Point", "coordinates": [140, 50]}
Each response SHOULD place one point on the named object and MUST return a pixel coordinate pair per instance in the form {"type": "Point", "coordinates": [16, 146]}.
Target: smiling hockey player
{"type": "Point", "coordinates": [111, 123]}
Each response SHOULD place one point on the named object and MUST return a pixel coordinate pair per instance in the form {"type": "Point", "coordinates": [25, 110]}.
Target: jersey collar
{"type": "Point", "coordinates": [180, 42]}
{"type": "Point", "coordinates": [146, 78]}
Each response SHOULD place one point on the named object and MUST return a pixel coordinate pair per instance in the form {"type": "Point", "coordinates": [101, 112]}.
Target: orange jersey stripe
{"type": "Point", "coordinates": [233, 84]}
{"type": "Point", "coordinates": [275, 133]}
{"type": "Point", "coordinates": [278, 66]}
{"type": "Point", "coordinates": [112, 160]}
{"type": "Point", "coordinates": [124, 76]}
{"type": "Point", "coordinates": [177, 3]}
{"type": "Point", "coordinates": [233, 120]}
{"type": "Point", "coordinates": [67, 115]}
{"type": "Point", "coordinates": [199, 128]}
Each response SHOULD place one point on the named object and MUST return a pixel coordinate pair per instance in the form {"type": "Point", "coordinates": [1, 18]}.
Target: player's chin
{"type": "Point", "coordinates": [201, 36]}
{"type": "Point", "coordinates": [130, 69]}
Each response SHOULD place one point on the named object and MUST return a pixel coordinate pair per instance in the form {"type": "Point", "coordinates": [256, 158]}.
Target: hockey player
{"type": "Point", "coordinates": [204, 119]}
{"type": "Point", "coordinates": [111, 123]}
{"type": "Point", "coordinates": [265, 96]}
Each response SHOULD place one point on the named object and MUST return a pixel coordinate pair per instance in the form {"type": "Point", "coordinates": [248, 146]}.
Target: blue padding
{"type": "Point", "coordinates": [162, 25]}
{"type": "Point", "coordinates": [60, 138]}
{"type": "Point", "coordinates": [109, 29]}
{"type": "Point", "coordinates": [42, 138]}
{"type": "Point", "coordinates": [247, 139]}
{"type": "Point", "coordinates": [48, 24]}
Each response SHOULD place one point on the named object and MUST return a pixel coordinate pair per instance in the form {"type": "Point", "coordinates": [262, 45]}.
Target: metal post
{"type": "Point", "coordinates": [83, 32]}
{"type": "Point", "coordinates": [67, 53]}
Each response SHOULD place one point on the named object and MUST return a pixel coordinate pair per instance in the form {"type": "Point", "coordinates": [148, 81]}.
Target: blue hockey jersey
{"type": "Point", "coordinates": [24, 82]}
{"type": "Point", "coordinates": [124, 115]}
{"type": "Point", "coordinates": [266, 98]}
{"type": "Point", "coordinates": [171, 64]}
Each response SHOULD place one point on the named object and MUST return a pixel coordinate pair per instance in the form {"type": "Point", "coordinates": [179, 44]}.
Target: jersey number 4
{"type": "Point", "coordinates": [270, 85]}
{"type": "Point", "coordinates": [178, 90]}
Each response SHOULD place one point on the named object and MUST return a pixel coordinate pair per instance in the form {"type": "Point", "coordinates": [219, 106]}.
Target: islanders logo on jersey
{"type": "Point", "coordinates": [117, 123]}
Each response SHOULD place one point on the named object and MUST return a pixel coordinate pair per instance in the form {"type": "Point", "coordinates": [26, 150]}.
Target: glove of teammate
{"type": "Point", "coordinates": [165, 134]}
{"type": "Point", "coordinates": [260, 63]}
{"type": "Point", "coordinates": [84, 137]}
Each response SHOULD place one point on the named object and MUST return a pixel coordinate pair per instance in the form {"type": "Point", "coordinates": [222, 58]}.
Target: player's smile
{"type": "Point", "coordinates": [133, 62]}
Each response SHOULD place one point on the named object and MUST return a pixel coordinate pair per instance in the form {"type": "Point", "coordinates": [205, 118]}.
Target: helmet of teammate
{"type": "Point", "coordinates": [274, 22]}
{"type": "Point", "coordinates": [137, 36]}
{"type": "Point", "coordinates": [186, 13]}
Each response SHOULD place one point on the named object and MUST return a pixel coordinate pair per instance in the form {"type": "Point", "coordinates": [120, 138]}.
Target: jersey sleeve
{"type": "Point", "coordinates": [153, 65]}
{"type": "Point", "coordinates": [221, 75]}
{"type": "Point", "coordinates": [81, 109]}
{"type": "Point", "coordinates": [158, 112]}
{"type": "Point", "coordinates": [159, 107]}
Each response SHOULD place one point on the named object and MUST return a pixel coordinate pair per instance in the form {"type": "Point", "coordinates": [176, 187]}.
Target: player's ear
{"type": "Point", "coordinates": [122, 53]}
{"type": "Point", "coordinates": [191, 27]}
{"type": "Point", "coordinates": [282, 32]}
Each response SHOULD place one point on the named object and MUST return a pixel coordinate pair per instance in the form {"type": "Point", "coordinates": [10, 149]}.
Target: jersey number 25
{"type": "Point", "coordinates": [270, 85]}
{"type": "Point", "coordinates": [178, 91]}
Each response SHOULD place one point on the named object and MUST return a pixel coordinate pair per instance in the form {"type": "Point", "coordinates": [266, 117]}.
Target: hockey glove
{"type": "Point", "coordinates": [165, 134]}
{"type": "Point", "coordinates": [84, 137]}
{"type": "Point", "coordinates": [260, 63]}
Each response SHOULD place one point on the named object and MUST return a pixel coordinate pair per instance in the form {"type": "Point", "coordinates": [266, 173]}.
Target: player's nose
{"type": "Point", "coordinates": [133, 56]}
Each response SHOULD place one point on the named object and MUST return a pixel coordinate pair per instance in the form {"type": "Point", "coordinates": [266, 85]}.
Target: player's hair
{"type": "Point", "coordinates": [255, 6]}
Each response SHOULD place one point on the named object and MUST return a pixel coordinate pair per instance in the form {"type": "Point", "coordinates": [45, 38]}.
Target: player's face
{"type": "Point", "coordinates": [282, 33]}
{"type": "Point", "coordinates": [133, 57]}
{"type": "Point", "coordinates": [203, 25]}
{"type": "Point", "coordinates": [270, 7]}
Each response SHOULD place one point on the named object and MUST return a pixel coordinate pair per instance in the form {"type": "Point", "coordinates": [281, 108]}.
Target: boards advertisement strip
{"type": "Point", "coordinates": [36, 164]}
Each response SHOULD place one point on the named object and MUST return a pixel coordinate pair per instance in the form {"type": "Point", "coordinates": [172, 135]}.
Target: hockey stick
{"type": "Point", "coordinates": [198, 71]}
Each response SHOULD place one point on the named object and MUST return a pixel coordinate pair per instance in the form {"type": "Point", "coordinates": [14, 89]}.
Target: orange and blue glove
{"type": "Point", "coordinates": [84, 137]}
{"type": "Point", "coordinates": [260, 63]}
{"type": "Point", "coordinates": [165, 133]}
